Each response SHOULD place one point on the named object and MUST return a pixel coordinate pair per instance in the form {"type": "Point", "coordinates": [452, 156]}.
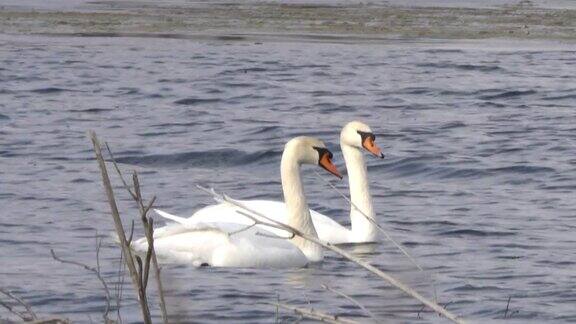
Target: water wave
{"type": "Point", "coordinates": [196, 101]}
{"type": "Point", "coordinates": [474, 232]}
{"type": "Point", "coordinates": [92, 110]}
{"type": "Point", "coordinates": [508, 94]}
{"type": "Point", "coordinates": [49, 90]}
{"type": "Point", "coordinates": [211, 159]}
{"type": "Point", "coordinates": [464, 67]}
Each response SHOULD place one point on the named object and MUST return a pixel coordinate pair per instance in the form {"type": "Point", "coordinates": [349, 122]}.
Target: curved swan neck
{"type": "Point", "coordinates": [297, 206]}
{"type": "Point", "coordinates": [362, 229]}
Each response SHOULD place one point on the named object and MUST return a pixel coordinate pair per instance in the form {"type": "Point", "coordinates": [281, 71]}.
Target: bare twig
{"type": "Point", "coordinates": [51, 321]}
{"type": "Point", "coordinates": [121, 276]}
{"type": "Point", "coordinates": [242, 229]}
{"type": "Point", "coordinates": [150, 204]}
{"type": "Point", "coordinates": [96, 271]}
{"type": "Point", "coordinates": [420, 311]}
{"type": "Point", "coordinates": [445, 305]}
{"type": "Point", "coordinates": [507, 307]}
{"type": "Point", "coordinates": [297, 320]}
{"type": "Point", "coordinates": [139, 263]}
{"type": "Point", "coordinates": [128, 258]}
{"type": "Point", "coordinates": [120, 286]}
{"type": "Point", "coordinates": [98, 246]}
{"type": "Point", "coordinates": [275, 236]}
{"type": "Point", "coordinates": [277, 309]}
{"type": "Point", "coordinates": [23, 316]}
{"type": "Point", "coordinates": [259, 221]}
{"type": "Point", "coordinates": [119, 172]}
{"type": "Point", "coordinates": [354, 301]}
{"type": "Point", "coordinates": [29, 315]}
{"type": "Point", "coordinates": [381, 229]}
{"type": "Point", "coordinates": [148, 230]}
{"type": "Point", "coordinates": [314, 314]}
{"type": "Point", "coordinates": [21, 302]}
{"type": "Point", "coordinates": [150, 254]}
{"type": "Point", "coordinates": [395, 282]}
{"type": "Point", "coordinates": [108, 297]}
{"type": "Point", "coordinates": [131, 233]}
{"type": "Point", "coordinates": [371, 220]}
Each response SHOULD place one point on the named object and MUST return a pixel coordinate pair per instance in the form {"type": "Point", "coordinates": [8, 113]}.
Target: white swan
{"type": "Point", "coordinates": [211, 242]}
{"type": "Point", "coordinates": [354, 137]}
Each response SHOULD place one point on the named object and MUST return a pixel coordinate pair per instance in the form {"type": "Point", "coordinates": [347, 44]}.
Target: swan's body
{"type": "Point", "coordinates": [273, 209]}
{"type": "Point", "coordinates": [362, 229]}
{"type": "Point", "coordinates": [211, 242]}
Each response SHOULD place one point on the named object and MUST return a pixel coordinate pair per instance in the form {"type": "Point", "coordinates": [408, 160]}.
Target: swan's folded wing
{"type": "Point", "coordinates": [223, 245]}
{"type": "Point", "coordinates": [226, 213]}
{"type": "Point", "coordinates": [257, 247]}
{"type": "Point", "coordinates": [181, 243]}
{"type": "Point", "coordinates": [220, 213]}
{"type": "Point", "coordinates": [328, 229]}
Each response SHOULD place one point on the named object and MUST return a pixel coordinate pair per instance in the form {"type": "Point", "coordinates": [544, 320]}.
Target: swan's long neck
{"type": "Point", "coordinates": [297, 206]}
{"type": "Point", "coordinates": [362, 229]}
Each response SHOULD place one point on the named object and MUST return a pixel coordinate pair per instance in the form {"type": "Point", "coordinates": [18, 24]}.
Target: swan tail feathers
{"type": "Point", "coordinates": [177, 219]}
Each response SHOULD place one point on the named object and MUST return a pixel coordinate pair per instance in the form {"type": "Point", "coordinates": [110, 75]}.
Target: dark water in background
{"type": "Point", "coordinates": [478, 182]}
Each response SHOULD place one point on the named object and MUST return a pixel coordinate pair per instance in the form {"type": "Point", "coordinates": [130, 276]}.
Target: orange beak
{"type": "Point", "coordinates": [327, 164]}
{"type": "Point", "coordinates": [371, 147]}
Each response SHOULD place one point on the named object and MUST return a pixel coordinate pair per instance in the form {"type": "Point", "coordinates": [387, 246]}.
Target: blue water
{"type": "Point", "coordinates": [478, 181]}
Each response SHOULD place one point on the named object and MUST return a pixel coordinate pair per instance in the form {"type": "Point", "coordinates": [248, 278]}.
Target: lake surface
{"type": "Point", "coordinates": [83, 5]}
{"type": "Point", "coordinates": [478, 182]}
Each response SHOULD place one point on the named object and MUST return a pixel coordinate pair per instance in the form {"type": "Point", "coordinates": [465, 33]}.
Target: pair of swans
{"type": "Point", "coordinates": [216, 235]}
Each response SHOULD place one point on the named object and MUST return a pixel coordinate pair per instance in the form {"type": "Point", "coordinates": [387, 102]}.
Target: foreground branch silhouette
{"type": "Point", "coordinates": [138, 269]}
{"type": "Point", "coordinates": [148, 223]}
{"type": "Point", "coordinates": [27, 315]}
{"type": "Point", "coordinates": [96, 271]}
{"type": "Point", "coordinates": [315, 314]}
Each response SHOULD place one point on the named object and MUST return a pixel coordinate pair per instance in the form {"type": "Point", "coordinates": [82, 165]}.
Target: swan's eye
{"type": "Point", "coordinates": [323, 151]}
{"type": "Point", "coordinates": [365, 135]}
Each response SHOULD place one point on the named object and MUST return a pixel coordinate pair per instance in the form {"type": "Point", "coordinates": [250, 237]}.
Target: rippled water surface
{"type": "Point", "coordinates": [479, 180]}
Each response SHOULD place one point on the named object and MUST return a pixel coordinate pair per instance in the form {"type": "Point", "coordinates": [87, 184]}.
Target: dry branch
{"type": "Point", "coordinates": [371, 220]}
{"type": "Point", "coordinates": [96, 271]}
{"type": "Point", "coordinates": [381, 229]}
{"type": "Point", "coordinates": [51, 321]}
{"type": "Point", "coordinates": [314, 314]}
{"type": "Point", "coordinates": [128, 257]}
{"type": "Point", "coordinates": [507, 306]}
{"type": "Point", "coordinates": [28, 316]}
{"type": "Point", "coordinates": [148, 224]}
{"type": "Point", "coordinates": [120, 286]}
{"type": "Point", "coordinates": [354, 301]}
